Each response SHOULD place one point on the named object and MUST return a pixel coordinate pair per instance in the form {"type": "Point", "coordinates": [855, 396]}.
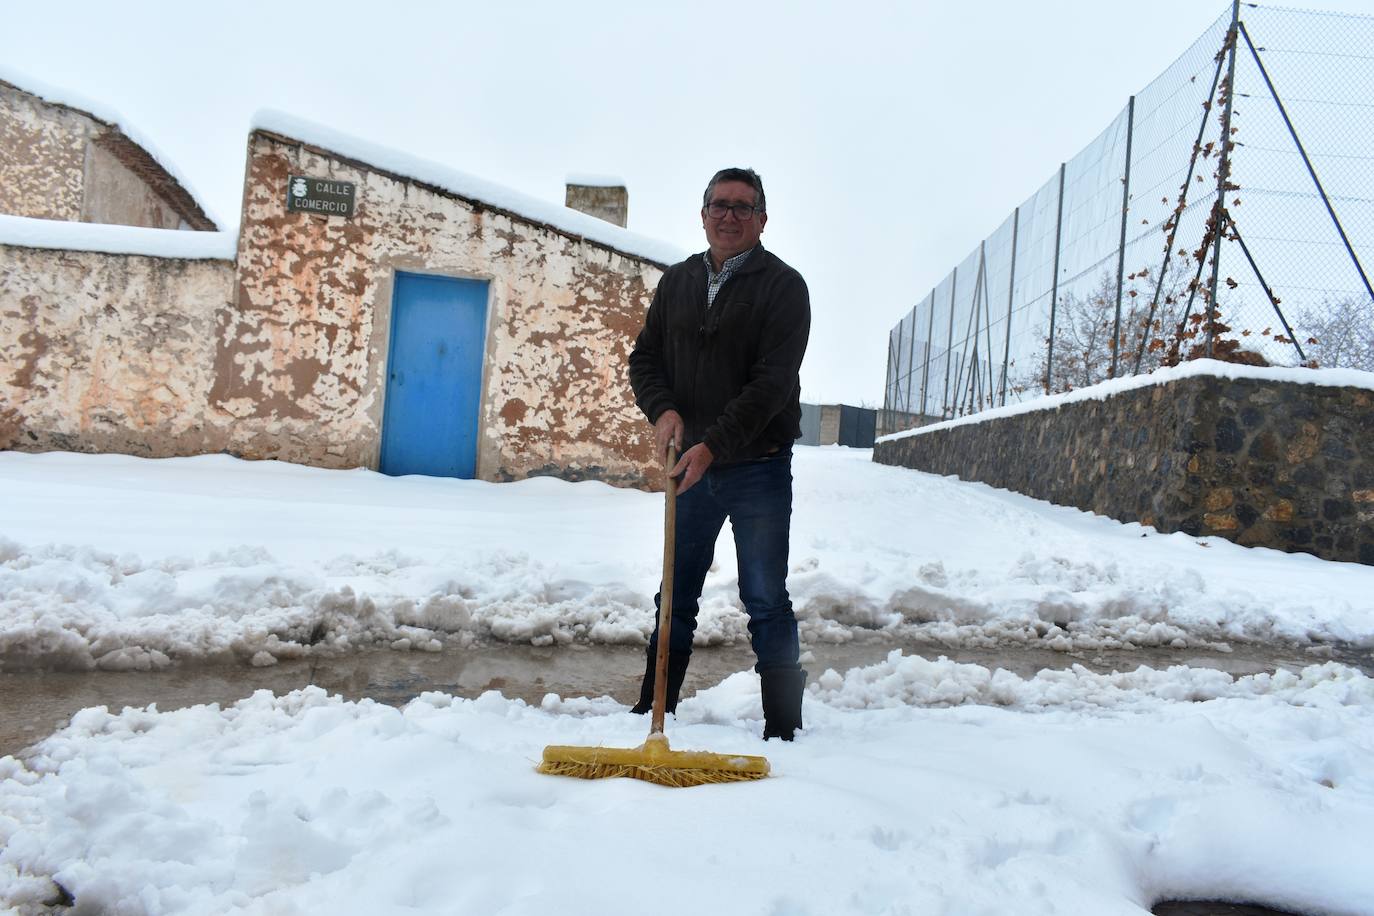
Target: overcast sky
{"type": "Point", "coordinates": [891, 137]}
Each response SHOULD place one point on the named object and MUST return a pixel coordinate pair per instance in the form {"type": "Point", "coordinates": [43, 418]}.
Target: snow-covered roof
{"type": "Point", "coordinates": [469, 187]}
{"type": "Point", "coordinates": [28, 232]}
{"type": "Point", "coordinates": [1332, 378]}
{"type": "Point", "coordinates": [112, 119]}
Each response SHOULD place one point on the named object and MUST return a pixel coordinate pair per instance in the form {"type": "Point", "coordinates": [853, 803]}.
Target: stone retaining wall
{"type": "Point", "coordinates": [1265, 463]}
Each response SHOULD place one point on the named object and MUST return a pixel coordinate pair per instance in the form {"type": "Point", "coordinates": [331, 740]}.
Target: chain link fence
{"type": "Point", "coordinates": [1226, 212]}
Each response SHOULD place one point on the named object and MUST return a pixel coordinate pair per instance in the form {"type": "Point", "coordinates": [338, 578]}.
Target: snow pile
{"type": "Point", "coordinates": [306, 803]}
{"type": "Point", "coordinates": [80, 608]}
{"type": "Point", "coordinates": [916, 681]}
{"type": "Point", "coordinates": [117, 562]}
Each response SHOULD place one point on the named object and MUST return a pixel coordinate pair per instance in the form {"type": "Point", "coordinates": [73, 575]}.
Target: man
{"type": "Point", "coordinates": [715, 370]}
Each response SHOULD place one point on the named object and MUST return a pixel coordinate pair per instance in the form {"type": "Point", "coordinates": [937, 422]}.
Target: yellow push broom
{"type": "Point", "coordinates": [654, 761]}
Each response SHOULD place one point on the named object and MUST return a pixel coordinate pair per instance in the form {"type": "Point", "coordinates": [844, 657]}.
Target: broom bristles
{"type": "Point", "coordinates": [653, 762]}
{"type": "Point", "coordinates": [673, 777]}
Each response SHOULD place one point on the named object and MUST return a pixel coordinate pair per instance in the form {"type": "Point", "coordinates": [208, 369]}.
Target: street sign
{"type": "Point", "coordinates": [323, 196]}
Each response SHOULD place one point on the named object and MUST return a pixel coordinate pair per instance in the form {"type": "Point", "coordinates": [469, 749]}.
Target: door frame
{"type": "Point", "coordinates": [380, 351]}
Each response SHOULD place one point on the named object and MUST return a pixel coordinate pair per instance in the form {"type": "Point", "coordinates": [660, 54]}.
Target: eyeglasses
{"type": "Point", "coordinates": [742, 211]}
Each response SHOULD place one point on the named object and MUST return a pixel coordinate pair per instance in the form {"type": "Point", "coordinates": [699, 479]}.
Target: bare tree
{"type": "Point", "coordinates": [1083, 341]}
{"type": "Point", "coordinates": [1341, 333]}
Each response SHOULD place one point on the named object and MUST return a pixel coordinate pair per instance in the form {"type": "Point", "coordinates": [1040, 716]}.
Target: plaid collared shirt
{"type": "Point", "coordinates": [714, 281]}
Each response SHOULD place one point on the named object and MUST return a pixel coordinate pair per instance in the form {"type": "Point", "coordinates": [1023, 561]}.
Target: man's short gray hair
{"type": "Point", "coordinates": [748, 176]}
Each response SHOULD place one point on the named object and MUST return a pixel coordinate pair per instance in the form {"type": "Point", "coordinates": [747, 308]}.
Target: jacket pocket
{"type": "Point", "coordinates": [730, 317]}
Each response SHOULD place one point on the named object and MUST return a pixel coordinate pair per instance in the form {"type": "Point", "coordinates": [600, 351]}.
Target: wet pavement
{"type": "Point", "coordinates": [34, 703]}
{"type": "Point", "coordinates": [1214, 908]}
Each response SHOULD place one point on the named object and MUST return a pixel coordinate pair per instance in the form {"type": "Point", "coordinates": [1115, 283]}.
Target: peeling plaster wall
{"type": "Point", "coordinates": [108, 353]}
{"type": "Point", "coordinates": [299, 362]}
{"type": "Point", "coordinates": [42, 157]}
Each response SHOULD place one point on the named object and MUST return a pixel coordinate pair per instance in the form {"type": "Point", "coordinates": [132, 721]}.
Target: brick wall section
{"type": "Point", "coordinates": [1263, 463]}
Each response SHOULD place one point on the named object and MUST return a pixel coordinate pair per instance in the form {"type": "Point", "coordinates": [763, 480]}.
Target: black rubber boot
{"type": "Point", "coordinates": [782, 701]}
{"type": "Point", "coordinates": [677, 673]}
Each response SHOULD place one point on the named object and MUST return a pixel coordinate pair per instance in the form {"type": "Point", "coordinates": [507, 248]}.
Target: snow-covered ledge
{"type": "Point", "coordinates": [105, 238]}
{"type": "Point", "coordinates": [1267, 457]}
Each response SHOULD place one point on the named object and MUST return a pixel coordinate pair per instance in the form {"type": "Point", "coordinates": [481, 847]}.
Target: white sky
{"type": "Point", "coordinates": [891, 137]}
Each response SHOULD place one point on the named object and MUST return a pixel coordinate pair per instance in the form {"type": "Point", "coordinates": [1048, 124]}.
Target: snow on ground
{"type": "Point", "coordinates": [118, 562]}
{"type": "Point", "coordinates": [918, 788]}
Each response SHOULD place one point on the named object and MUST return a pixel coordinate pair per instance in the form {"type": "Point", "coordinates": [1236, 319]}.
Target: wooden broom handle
{"type": "Point", "coordinates": [665, 600]}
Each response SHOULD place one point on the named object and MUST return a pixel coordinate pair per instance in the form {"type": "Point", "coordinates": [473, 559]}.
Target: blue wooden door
{"type": "Point", "coordinates": [434, 376]}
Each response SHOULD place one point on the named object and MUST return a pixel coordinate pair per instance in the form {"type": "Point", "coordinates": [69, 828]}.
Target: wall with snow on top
{"type": "Point", "coordinates": [1266, 458]}
{"type": "Point", "coordinates": [272, 342]}
{"type": "Point", "coordinates": [300, 363]}
{"type": "Point", "coordinates": [105, 352]}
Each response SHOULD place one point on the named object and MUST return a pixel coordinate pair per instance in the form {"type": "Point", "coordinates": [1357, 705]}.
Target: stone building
{"type": "Point", "coordinates": [320, 361]}
{"type": "Point", "coordinates": [60, 162]}
{"type": "Point", "coordinates": [374, 311]}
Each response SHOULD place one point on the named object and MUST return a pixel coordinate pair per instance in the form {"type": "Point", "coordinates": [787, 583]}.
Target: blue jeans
{"type": "Point", "coordinates": [757, 498]}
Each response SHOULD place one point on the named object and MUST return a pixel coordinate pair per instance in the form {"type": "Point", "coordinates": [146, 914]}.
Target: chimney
{"type": "Point", "coordinates": [604, 198]}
